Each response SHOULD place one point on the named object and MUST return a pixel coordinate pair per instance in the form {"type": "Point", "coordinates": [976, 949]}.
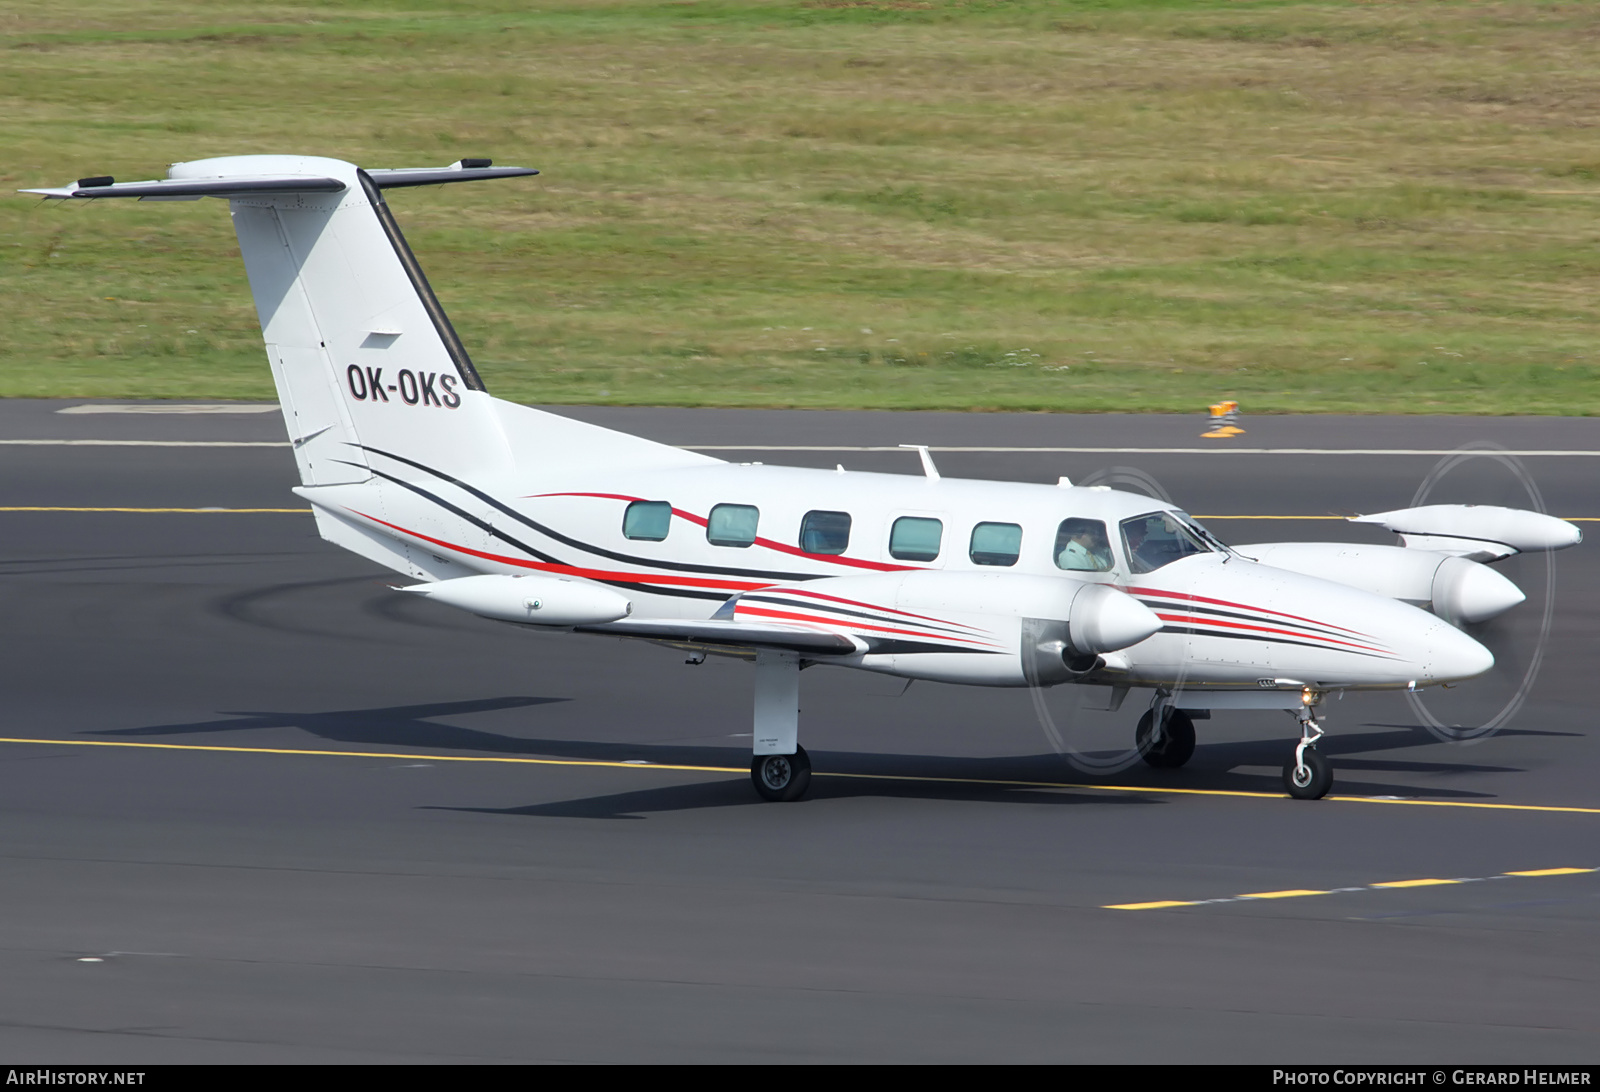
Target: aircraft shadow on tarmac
{"type": "Point", "coordinates": [278, 607]}
{"type": "Point", "coordinates": [103, 563]}
{"type": "Point", "coordinates": [1215, 766]}
{"type": "Point", "coordinates": [390, 726]}
{"type": "Point", "coordinates": [273, 607]}
{"type": "Point", "coordinates": [1211, 769]}
{"type": "Point", "coordinates": [735, 792]}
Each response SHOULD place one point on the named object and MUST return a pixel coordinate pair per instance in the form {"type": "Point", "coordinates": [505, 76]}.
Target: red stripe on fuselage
{"type": "Point", "coordinates": [764, 612]}
{"type": "Point", "coordinates": [1185, 596]}
{"type": "Point", "coordinates": [1206, 620]}
{"type": "Point", "coordinates": [782, 589]}
{"type": "Point", "coordinates": [574, 570]}
{"type": "Point", "coordinates": [767, 543]}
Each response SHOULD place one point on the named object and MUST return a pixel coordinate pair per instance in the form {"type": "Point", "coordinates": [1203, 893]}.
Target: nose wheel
{"type": "Point", "coordinates": [1308, 778]}
{"type": "Point", "coordinates": [1308, 775]}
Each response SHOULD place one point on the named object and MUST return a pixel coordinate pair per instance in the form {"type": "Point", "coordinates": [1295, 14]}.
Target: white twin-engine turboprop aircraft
{"type": "Point", "coordinates": [540, 520]}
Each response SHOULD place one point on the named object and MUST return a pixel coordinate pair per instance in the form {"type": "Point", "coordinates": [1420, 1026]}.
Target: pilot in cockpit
{"type": "Point", "coordinates": [1082, 546]}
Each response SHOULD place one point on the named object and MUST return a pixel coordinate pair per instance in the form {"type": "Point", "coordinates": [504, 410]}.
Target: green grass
{"type": "Point", "coordinates": [994, 204]}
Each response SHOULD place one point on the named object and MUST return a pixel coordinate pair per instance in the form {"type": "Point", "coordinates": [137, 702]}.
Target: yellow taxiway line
{"type": "Point", "coordinates": [322, 753]}
{"type": "Point", "coordinates": [640, 764]}
{"type": "Point", "coordinates": [1386, 885]}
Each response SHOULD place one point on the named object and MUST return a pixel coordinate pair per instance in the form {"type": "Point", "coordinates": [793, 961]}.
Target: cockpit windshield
{"type": "Point", "coordinates": [1161, 538]}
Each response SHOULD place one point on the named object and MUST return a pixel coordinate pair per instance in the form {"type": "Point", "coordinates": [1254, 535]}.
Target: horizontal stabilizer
{"type": "Point", "coordinates": [395, 178]}
{"type": "Point", "coordinates": [729, 633]}
{"type": "Point", "coordinates": [174, 188]}
{"type": "Point", "coordinates": [181, 185]}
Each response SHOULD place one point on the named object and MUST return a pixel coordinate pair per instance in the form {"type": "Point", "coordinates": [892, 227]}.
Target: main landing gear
{"type": "Point", "coordinates": [781, 777]}
{"type": "Point", "coordinates": [779, 766]}
{"type": "Point", "coordinates": [1173, 745]}
{"type": "Point", "coordinates": [1308, 775]}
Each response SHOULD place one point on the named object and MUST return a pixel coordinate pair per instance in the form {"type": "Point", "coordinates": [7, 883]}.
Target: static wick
{"type": "Point", "coordinates": [1224, 416]}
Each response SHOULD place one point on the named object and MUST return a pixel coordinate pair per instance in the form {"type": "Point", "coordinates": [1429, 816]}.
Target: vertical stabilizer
{"type": "Point", "coordinates": [365, 360]}
{"type": "Point", "coordinates": [383, 405]}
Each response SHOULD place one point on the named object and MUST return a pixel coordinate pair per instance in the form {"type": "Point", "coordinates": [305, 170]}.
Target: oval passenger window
{"type": "Point", "coordinates": [648, 521]}
{"type": "Point", "coordinates": [825, 532]}
{"type": "Point", "coordinates": [996, 544]}
{"type": "Point", "coordinates": [732, 525]}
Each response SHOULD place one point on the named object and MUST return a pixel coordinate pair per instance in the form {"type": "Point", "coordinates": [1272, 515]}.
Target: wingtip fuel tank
{"type": "Point", "coordinates": [531, 600]}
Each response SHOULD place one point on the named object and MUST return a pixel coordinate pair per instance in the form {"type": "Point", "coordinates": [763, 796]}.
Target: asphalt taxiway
{"type": "Point", "coordinates": [258, 807]}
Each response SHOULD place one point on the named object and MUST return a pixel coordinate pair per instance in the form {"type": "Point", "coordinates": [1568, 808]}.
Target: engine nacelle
{"type": "Point", "coordinates": [988, 629]}
{"type": "Point", "coordinates": [1482, 532]}
{"type": "Point", "coordinates": [1454, 588]}
{"type": "Point", "coordinates": [535, 600]}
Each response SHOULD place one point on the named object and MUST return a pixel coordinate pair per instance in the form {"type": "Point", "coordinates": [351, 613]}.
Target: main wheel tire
{"type": "Point", "coordinates": [1311, 783]}
{"type": "Point", "coordinates": [1176, 745]}
{"type": "Point", "coordinates": [781, 777]}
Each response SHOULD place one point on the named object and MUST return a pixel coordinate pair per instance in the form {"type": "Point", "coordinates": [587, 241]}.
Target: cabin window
{"type": "Point", "coordinates": [915, 538]}
{"type": "Point", "coordinates": [732, 525]}
{"type": "Point", "coordinates": [1082, 546]}
{"type": "Point", "coordinates": [825, 532]}
{"type": "Point", "coordinates": [995, 544]}
{"type": "Point", "coordinates": [1158, 539]}
{"type": "Point", "coordinates": [647, 520]}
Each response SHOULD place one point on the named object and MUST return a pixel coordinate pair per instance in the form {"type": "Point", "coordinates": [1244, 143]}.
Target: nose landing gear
{"type": "Point", "coordinates": [1308, 775]}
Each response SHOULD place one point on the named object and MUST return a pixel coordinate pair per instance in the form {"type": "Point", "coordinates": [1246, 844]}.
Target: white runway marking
{"type": "Point", "coordinates": [1526, 453]}
{"type": "Point", "coordinates": [170, 407]}
{"type": "Point", "coordinates": [145, 443]}
{"type": "Point", "coordinates": [1214, 450]}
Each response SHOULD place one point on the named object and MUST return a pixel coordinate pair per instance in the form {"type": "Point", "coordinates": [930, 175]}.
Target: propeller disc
{"type": "Point", "coordinates": [1484, 473]}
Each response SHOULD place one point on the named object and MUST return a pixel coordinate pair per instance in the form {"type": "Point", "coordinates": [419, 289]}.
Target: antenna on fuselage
{"type": "Point", "coordinates": [928, 468]}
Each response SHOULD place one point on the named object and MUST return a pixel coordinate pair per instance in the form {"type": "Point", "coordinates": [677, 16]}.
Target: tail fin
{"type": "Point", "coordinates": [363, 356]}
{"type": "Point", "coordinates": [374, 383]}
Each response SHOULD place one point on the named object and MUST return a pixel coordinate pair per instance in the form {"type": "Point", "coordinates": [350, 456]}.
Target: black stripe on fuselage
{"type": "Point", "coordinates": [761, 597]}
{"type": "Point", "coordinates": [885, 646]}
{"type": "Point", "coordinates": [679, 593]}
{"type": "Point", "coordinates": [674, 590]}
{"type": "Point", "coordinates": [674, 566]}
{"type": "Point", "coordinates": [1333, 633]}
{"type": "Point", "coordinates": [1274, 641]}
{"type": "Point", "coordinates": [482, 525]}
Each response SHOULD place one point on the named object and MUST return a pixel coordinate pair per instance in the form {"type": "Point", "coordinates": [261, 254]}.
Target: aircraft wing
{"type": "Point", "coordinates": [730, 634]}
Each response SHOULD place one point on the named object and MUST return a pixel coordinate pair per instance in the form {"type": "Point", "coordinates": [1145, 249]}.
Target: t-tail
{"type": "Point", "coordinates": [376, 388]}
